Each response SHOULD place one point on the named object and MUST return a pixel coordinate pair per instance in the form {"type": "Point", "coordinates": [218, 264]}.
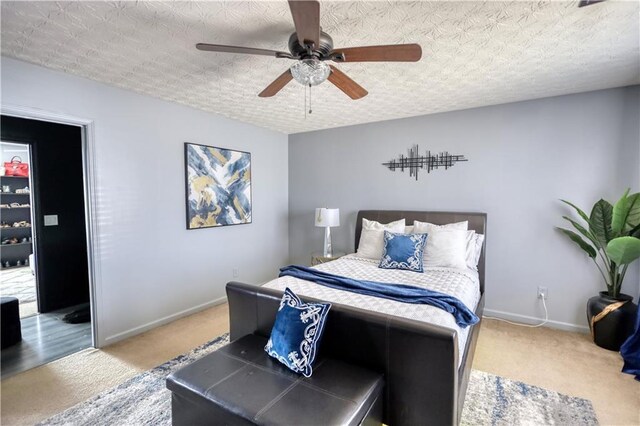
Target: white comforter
{"type": "Point", "coordinates": [459, 283]}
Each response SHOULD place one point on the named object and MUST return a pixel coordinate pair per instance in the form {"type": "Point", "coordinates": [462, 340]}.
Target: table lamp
{"type": "Point", "coordinates": [327, 218]}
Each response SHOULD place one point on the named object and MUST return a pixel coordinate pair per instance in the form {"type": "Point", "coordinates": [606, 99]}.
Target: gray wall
{"type": "Point", "coordinates": [150, 268]}
{"type": "Point", "coordinates": [523, 157]}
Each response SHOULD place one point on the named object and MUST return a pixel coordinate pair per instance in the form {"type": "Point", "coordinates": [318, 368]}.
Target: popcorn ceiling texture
{"type": "Point", "coordinates": [474, 53]}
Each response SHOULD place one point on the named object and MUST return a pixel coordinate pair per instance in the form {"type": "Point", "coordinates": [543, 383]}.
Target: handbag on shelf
{"type": "Point", "coordinates": [16, 167]}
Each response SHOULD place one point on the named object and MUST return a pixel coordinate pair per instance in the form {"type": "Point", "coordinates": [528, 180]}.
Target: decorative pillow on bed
{"type": "Point", "coordinates": [447, 244]}
{"type": "Point", "coordinates": [372, 237]}
{"type": "Point", "coordinates": [403, 251]}
{"type": "Point", "coordinates": [474, 249]}
{"type": "Point", "coordinates": [427, 227]}
{"type": "Point", "coordinates": [296, 334]}
{"type": "Point", "coordinates": [446, 248]}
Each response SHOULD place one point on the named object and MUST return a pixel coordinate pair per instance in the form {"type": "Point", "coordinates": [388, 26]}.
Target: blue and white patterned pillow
{"type": "Point", "coordinates": [297, 332]}
{"type": "Point", "coordinates": [403, 251]}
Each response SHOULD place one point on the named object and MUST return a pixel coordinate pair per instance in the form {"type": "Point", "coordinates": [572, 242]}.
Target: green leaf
{"type": "Point", "coordinates": [585, 233]}
{"type": "Point", "coordinates": [620, 214]}
{"type": "Point", "coordinates": [580, 212]}
{"type": "Point", "coordinates": [600, 222]}
{"type": "Point", "coordinates": [624, 250]}
{"type": "Point", "coordinates": [633, 217]}
{"type": "Point", "coordinates": [579, 241]}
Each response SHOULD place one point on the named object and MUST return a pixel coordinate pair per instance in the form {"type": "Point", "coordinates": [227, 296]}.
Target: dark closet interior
{"type": "Point", "coordinates": [58, 190]}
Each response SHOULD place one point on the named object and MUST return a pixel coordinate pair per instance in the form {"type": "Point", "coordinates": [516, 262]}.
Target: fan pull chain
{"type": "Point", "coordinates": [305, 101]}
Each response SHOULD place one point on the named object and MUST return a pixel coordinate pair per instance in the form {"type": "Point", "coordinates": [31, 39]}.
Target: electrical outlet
{"type": "Point", "coordinates": [236, 272]}
{"type": "Point", "coordinates": [543, 292]}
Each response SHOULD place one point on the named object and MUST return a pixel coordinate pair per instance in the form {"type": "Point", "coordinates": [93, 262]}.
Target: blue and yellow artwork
{"type": "Point", "coordinates": [218, 186]}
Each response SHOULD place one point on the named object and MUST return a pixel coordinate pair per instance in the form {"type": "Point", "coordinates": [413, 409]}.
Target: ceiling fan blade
{"type": "Point", "coordinates": [306, 17]}
{"type": "Point", "coordinates": [389, 53]}
{"type": "Point", "coordinates": [238, 49]}
{"type": "Point", "coordinates": [344, 83]}
{"type": "Point", "coordinates": [584, 3]}
{"type": "Point", "coordinates": [277, 85]}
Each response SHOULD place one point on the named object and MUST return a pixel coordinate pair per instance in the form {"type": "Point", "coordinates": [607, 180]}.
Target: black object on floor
{"type": "Point", "coordinates": [79, 316]}
{"type": "Point", "coordinates": [11, 332]}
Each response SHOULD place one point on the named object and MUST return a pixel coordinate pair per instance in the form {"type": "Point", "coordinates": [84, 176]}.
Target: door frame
{"type": "Point", "coordinates": [90, 191]}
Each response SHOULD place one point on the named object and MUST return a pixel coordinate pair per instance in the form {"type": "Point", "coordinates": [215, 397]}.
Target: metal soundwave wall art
{"type": "Point", "coordinates": [428, 162]}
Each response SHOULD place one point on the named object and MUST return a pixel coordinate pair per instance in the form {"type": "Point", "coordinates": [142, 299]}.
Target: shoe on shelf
{"type": "Point", "coordinates": [5, 225]}
{"type": "Point", "coordinates": [14, 205]}
{"type": "Point", "coordinates": [24, 190]}
{"type": "Point", "coordinates": [7, 241]}
{"type": "Point", "coordinates": [19, 263]}
{"type": "Point", "coordinates": [7, 264]}
{"type": "Point", "coordinates": [5, 206]}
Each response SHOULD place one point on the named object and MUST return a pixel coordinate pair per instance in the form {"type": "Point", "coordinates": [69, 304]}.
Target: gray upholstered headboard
{"type": "Point", "coordinates": [477, 222]}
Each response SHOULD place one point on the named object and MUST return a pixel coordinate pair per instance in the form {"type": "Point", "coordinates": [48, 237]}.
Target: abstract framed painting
{"type": "Point", "coordinates": [218, 186]}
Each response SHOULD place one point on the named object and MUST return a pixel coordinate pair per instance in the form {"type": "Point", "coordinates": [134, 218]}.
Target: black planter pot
{"type": "Point", "coordinates": [611, 330]}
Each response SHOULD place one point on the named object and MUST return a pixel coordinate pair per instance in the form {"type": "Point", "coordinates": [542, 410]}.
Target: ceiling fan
{"type": "Point", "coordinates": [311, 48]}
{"type": "Point", "coordinates": [584, 3]}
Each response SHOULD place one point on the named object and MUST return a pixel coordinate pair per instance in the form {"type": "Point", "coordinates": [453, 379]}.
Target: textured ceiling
{"type": "Point", "coordinates": [474, 53]}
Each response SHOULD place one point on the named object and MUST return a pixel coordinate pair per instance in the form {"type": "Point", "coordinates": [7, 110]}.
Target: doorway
{"type": "Point", "coordinates": [16, 253]}
{"type": "Point", "coordinates": [62, 322]}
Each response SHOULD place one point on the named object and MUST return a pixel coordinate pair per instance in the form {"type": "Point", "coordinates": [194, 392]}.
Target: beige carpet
{"type": "Point", "coordinates": [556, 360]}
{"type": "Point", "coordinates": [565, 362]}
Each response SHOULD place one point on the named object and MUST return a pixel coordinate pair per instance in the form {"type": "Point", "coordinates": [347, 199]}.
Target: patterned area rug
{"type": "Point", "coordinates": [491, 400]}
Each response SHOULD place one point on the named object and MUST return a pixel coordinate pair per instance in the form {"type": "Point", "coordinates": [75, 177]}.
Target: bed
{"type": "Point", "coordinates": [425, 357]}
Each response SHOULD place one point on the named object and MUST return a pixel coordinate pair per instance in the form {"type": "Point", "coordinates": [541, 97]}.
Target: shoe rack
{"type": "Point", "coordinates": [15, 222]}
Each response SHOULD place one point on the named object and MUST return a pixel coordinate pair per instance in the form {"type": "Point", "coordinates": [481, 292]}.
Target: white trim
{"type": "Point", "coordinates": [89, 171]}
{"type": "Point", "coordinates": [533, 320]}
{"type": "Point", "coordinates": [169, 318]}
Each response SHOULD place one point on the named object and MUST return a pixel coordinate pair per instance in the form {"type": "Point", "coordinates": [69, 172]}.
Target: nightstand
{"type": "Point", "coordinates": [317, 259]}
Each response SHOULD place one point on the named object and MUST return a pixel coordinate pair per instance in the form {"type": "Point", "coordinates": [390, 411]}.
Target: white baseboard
{"type": "Point", "coordinates": [153, 324]}
{"type": "Point", "coordinates": [533, 320]}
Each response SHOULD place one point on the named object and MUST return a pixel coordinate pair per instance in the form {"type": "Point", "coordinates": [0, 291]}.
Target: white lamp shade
{"type": "Point", "coordinates": [327, 217]}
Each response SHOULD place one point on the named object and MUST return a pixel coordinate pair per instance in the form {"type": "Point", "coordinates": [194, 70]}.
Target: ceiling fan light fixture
{"type": "Point", "coordinates": [310, 71]}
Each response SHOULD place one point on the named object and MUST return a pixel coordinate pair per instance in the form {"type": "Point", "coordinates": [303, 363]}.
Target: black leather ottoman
{"type": "Point", "coordinates": [240, 384]}
{"type": "Point", "coordinates": [11, 331]}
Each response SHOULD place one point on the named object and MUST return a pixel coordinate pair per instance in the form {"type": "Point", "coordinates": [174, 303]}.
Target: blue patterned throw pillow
{"type": "Point", "coordinates": [297, 332]}
{"type": "Point", "coordinates": [403, 251]}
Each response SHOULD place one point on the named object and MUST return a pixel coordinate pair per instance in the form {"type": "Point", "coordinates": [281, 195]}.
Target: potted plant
{"type": "Point", "coordinates": [611, 238]}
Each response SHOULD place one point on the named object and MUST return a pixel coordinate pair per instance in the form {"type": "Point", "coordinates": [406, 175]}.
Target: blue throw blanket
{"type": "Point", "coordinates": [398, 292]}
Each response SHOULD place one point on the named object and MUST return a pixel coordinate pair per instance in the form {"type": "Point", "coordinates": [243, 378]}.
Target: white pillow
{"type": "Point", "coordinates": [426, 227]}
{"type": "Point", "coordinates": [474, 241]}
{"type": "Point", "coordinates": [446, 248]}
{"type": "Point", "coordinates": [474, 249]}
{"type": "Point", "coordinates": [371, 243]}
{"type": "Point", "coordinates": [408, 229]}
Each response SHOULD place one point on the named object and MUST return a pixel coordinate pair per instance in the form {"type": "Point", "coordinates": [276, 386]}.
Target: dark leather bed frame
{"type": "Point", "coordinates": [423, 384]}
